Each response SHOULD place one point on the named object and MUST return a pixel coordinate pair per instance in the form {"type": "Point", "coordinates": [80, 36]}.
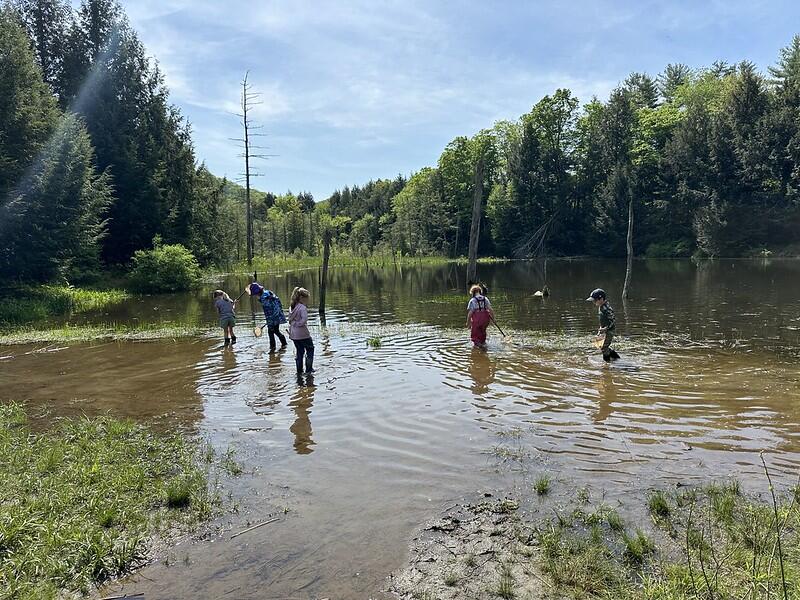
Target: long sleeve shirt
{"type": "Point", "coordinates": [607, 318]}
{"type": "Point", "coordinates": [298, 322]}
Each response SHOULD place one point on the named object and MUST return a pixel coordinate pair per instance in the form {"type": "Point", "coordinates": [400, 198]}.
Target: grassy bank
{"type": "Point", "coordinates": [288, 261]}
{"type": "Point", "coordinates": [86, 333]}
{"type": "Point", "coordinates": [32, 304]}
{"type": "Point", "coordinates": [708, 542]}
{"type": "Point", "coordinates": [711, 542]}
{"type": "Point", "coordinates": [82, 503]}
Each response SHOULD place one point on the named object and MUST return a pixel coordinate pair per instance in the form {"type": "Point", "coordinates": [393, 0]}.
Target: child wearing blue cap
{"type": "Point", "coordinates": [607, 322]}
{"type": "Point", "coordinates": [273, 312]}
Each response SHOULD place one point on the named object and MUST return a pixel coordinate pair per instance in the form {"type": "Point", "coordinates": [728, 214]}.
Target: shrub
{"type": "Point", "coordinates": [675, 249]}
{"type": "Point", "coordinates": [164, 268]}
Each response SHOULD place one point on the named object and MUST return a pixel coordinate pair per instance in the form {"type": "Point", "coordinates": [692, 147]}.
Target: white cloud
{"type": "Point", "coordinates": [350, 84]}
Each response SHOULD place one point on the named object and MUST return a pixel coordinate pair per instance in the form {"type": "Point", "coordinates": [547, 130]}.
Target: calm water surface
{"type": "Point", "coordinates": [387, 437]}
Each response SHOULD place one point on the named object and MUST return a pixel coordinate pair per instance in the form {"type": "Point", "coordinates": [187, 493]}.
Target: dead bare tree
{"type": "Point", "coordinates": [629, 241]}
{"type": "Point", "coordinates": [475, 228]}
{"type": "Point", "coordinates": [249, 99]}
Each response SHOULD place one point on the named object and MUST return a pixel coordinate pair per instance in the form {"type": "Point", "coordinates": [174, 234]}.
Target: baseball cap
{"type": "Point", "coordinates": [254, 289]}
{"type": "Point", "coordinates": [597, 294]}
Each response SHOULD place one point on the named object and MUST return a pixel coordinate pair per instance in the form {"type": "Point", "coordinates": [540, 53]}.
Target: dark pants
{"type": "Point", "coordinates": [274, 330]}
{"type": "Point", "coordinates": [306, 347]}
{"type": "Point", "coordinates": [607, 346]}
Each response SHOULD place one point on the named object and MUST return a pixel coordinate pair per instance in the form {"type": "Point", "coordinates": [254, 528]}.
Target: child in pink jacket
{"type": "Point", "coordinates": [298, 330]}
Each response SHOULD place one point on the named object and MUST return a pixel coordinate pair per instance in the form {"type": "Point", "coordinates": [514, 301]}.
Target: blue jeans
{"type": "Point", "coordinates": [304, 347]}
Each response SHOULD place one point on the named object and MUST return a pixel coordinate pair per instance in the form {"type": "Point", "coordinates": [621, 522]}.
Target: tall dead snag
{"type": "Point", "coordinates": [248, 100]}
{"type": "Point", "coordinates": [475, 228]}
{"type": "Point", "coordinates": [629, 267]}
{"type": "Point", "coordinates": [323, 280]}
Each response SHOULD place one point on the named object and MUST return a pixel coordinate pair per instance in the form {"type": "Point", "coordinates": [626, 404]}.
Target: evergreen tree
{"type": "Point", "coordinates": [673, 77]}
{"type": "Point", "coordinates": [46, 22]}
{"type": "Point", "coordinates": [52, 199]}
{"type": "Point", "coordinates": [28, 112]}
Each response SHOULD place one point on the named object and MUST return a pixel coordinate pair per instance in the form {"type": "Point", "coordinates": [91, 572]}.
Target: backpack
{"type": "Point", "coordinates": [273, 309]}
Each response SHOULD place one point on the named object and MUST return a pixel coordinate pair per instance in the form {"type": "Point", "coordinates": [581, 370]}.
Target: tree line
{"type": "Point", "coordinates": [94, 160]}
{"type": "Point", "coordinates": [701, 161]}
{"type": "Point", "coordinates": [96, 163]}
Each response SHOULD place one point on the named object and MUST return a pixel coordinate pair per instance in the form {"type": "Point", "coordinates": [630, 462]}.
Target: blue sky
{"type": "Point", "coordinates": [354, 90]}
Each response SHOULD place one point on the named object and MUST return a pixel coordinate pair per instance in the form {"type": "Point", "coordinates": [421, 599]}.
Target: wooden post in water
{"type": "Point", "coordinates": [629, 266]}
{"type": "Point", "coordinates": [475, 228]}
{"type": "Point", "coordinates": [326, 254]}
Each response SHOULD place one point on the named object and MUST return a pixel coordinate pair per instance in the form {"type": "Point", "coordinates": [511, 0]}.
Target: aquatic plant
{"type": "Point", "coordinates": [637, 547]}
{"type": "Point", "coordinates": [504, 453]}
{"type": "Point", "coordinates": [344, 256]}
{"type": "Point", "coordinates": [374, 342]}
{"type": "Point", "coordinates": [113, 331]}
{"type": "Point", "coordinates": [542, 485]}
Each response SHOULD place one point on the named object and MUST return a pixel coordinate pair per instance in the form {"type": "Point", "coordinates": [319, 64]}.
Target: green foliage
{"type": "Point", "coordinates": [81, 502]}
{"type": "Point", "coordinates": [669, 249]}
{"type": "Point", "coordinates": [28, 305]}
{"type": "Point", "coordinates": [28, 112]}
{"type": "Point", "coordinates": [51, 197]}
{"type": "Point", "coordinates": [140, 145]}
{"type": "Point", "coordinates": [658, 505]}
{"type": "Point", "coordinates": [542, 485]}
{"type": "Point", "coordinates": [85, 333]}
{"type": "Point", "coordinates": [165, 268]}
{"type": "Point", "coordinates": [709, 159]}
{"type": "Point", "coordinates": [714, 542]}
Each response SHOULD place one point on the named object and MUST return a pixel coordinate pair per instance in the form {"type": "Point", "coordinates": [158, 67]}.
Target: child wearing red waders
{"type": "Point", "coordinates": [479, 315]}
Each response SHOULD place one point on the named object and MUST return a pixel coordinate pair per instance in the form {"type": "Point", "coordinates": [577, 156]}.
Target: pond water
{"type": "Point", "coordinates": [386, 437]}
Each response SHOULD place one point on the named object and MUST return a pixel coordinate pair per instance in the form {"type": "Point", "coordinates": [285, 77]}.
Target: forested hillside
{"type": "Point", "coordinates": [96, 163]}
{"type": "Point", "coordinates": [95, 160]}
{"type": "Point", "coordinates": [709, 159]}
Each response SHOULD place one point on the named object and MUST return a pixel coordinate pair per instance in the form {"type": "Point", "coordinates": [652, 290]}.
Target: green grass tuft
{"type": "Point", "coordinates": [81, 501]}
{"type": "Point", "coordinates": [614, 521]}
{"type": "Point", "coordinates": [506, 587]}
{"type": "Point", "coordinates": [451, 578]}
{"type": "Point", "coordinates": [542, 485]}
{"type": "Point", "coordinates": [637, 547]}
{"type": "Point", "coordinates": [374, 342]}
{"type": "Point", "coordinates": [658, 505]}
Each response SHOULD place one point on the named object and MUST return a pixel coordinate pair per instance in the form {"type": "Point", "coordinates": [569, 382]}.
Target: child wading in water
{"type": "Point", "coordinates": [479, 315]}
{"type": "Point", "coordinates": [607, 322]}
{"type": "Point", "coordinates": [298, 330]}
{"type": "Point", "coordinates": [227, 317]}
{"type": "Point", "coordinates": [273, 313]}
